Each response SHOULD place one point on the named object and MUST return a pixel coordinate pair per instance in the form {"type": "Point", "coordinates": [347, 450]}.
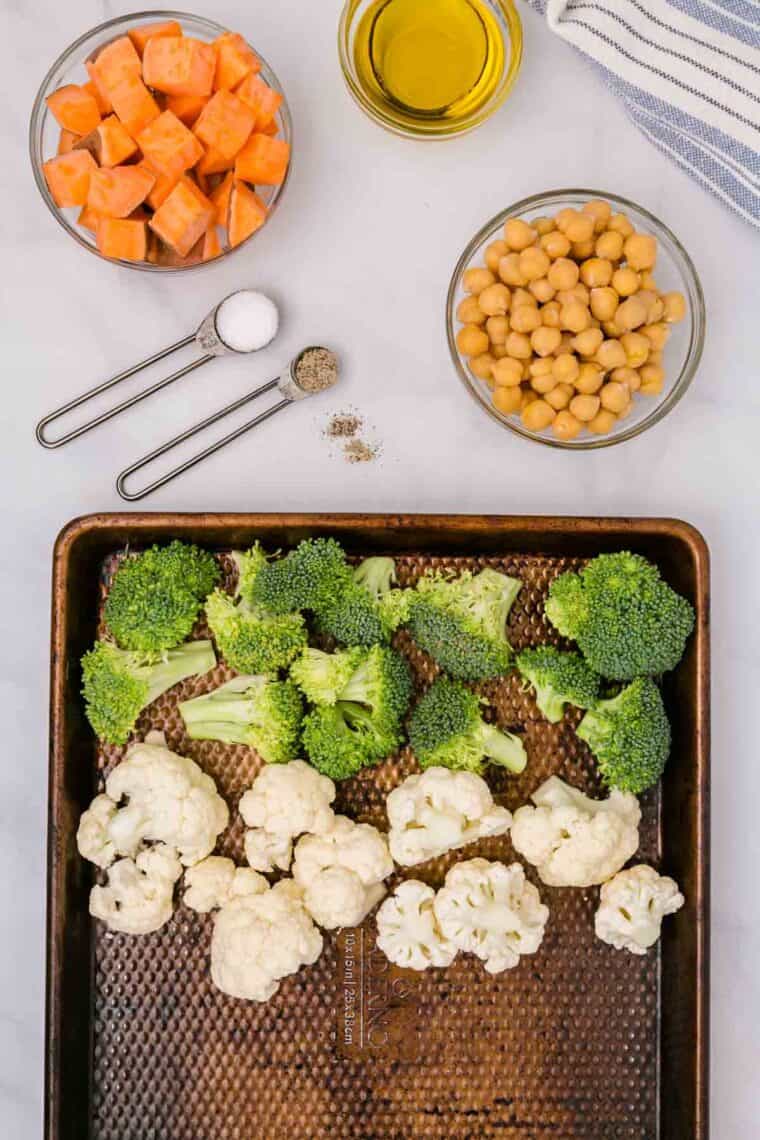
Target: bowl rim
{"type": "Point", "coordinates": [511, 17]}
{"type": "Point", "coordinates": [698, 313]}
{"type": "Point", "coordinates": [39, 109]}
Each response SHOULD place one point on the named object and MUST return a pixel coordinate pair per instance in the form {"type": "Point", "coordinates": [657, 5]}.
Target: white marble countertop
{"type": "Point", "coordinates": [360, 256]}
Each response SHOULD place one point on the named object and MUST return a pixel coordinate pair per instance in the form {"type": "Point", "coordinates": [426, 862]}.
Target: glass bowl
{"type": "Point", "coordinates": [674, 271]}
{"type": "Point", "coordinates": [70, 68]}
{"type": "Point", "coordinates": [393, 116]}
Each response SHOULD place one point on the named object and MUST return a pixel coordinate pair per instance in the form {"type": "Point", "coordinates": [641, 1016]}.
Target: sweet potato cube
{"type": "Point", "coordinates": [221, 198]}
{"type": "Point", "coordinates": [134, 104]}
{"type": "Point", "coordinates": [247, 213]}
{"type": "Point", "coordinates": [169, 146]}
{"type": "Point", "coordinates": [140, 36]}
{"type": "Point", "coordinates": [74, 109]}
{"type": "Point", "coordinates": [116, 193]}
{"type": "Point", "coordinates": [184, 217]}
{"type": "Point", "coordinates": [270, 129]}
{"type": "Point", "coordinates": [98, 88]}
{"type": "Point", "coordinates": [68, 177]}
{"type": "Point", "coordinates": [225, 124]}
{"type": "Point", "coordinates": [122, 238]}
{"type": "Point", "coordinates": [161, 188]}
{"type": "Point", "coordinates": [115, 62]}
{"type": "Point", "coordinates": [187, 108]}
{"type": "Point", "coordinates": [179, 65]}
{"type": "Point", "coordinates": [110, 143]}
{"type": "Point", "coordinates": [212, 247]}
{"type": "Point", "coordinates": [262, 100]}
{"type": "Point", "coordinates": [88, 219]}
{"type": "Point", "coordinates": [214, 163]}
{"type": "Point", "coordinates": [263, 160]}
{"type": "Point", "coordinates": [234, 60]}
{"type": "Point", "coordinates": [67, 140]}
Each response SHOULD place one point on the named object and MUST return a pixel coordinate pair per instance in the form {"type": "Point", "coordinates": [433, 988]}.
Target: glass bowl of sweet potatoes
{"type": "Point", "coordinates": [161, 141]}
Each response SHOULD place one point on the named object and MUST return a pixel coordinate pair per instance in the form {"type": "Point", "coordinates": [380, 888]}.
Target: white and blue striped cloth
{"type": "Point", "coordinates": [688, 72]}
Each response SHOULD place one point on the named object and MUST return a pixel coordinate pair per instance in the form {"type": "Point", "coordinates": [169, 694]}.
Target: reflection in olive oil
{"type": "Point", "coordinates": [430, 59]}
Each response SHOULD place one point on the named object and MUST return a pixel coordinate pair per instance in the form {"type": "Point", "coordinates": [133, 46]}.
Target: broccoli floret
{"type": "Point", "coordinates": [264, 714]}
{"type": "Point", "coordinates": [342, 739]}
{"type": "Point", "coordinates": [626, 619]}
{"type": "Point", "coordinates": [461, 622]}
{"type": "Point", "coordinates": [305, 579]}
{"type": "Point", "coordinates": [383, 683]}
{"type": "Point", "coordinates": [559, 679]}
{"type": "Point", "coordinates": [252, 641]}
{"type": "Point", "coordinates": [321, 676]}
{"type": "Point", "coordinates": [630, 736]}
{"type": "Point", "coordinates": [155, 597]}
{"type": "Point", "coordinates": [447, 729]}
{"type": "Point", "coordinates": [360, 612]}
{"type": "Point", "coordinates": [119, 683]}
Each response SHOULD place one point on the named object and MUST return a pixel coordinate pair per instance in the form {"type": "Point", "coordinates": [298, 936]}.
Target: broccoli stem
{"type": "Point", "coordinates": [191, 659]}
{"type": "Point", "coordinates": [504, 748]}
{"type": "Point", "coordinates": [550, 703]}
{"type": "Point", "coordinates": [376, 575]}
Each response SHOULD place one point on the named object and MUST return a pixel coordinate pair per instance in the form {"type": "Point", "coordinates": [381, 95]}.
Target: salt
{"type": "Point", "coordinates": [247, 321]}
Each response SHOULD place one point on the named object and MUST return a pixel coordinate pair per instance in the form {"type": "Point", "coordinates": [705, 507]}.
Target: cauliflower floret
{"type": "Point", "coordinates": [575, 841]}
{"type": "Point", "coordinates": [438, 811]}
{"type": "Point", "coordinates": [170, 800]}
{"type": "Point", "coordinates": [93, 838]}
{"type": "Point", "coordinates": [407, 929]}
{"type": "Point", "coordinates": [632, 906]}
{"type": "Point", "coordinates": [259, 939]}
{"type": "Point", "coordinates": [138, 897]}
{"type": "Point", "coordinates": [266, 851]}
{"type": "Point", "coordinates": [491, 910]}
{"type": "Point", "coordinates": [215, 881]}
{"type": "Point", "coordinates": [361, 853]}
{"type": "Point", "coordinates": [286, 800]}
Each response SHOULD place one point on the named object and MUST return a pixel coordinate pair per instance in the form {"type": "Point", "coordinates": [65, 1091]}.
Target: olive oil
{"type": "Point", "coordinates": [431, 63]}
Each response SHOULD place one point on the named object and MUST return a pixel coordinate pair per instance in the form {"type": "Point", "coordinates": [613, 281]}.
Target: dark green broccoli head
{"type": "Point", "coordinates": [342, 739]}
{"type": "Point", "coordinates": [558, 679]}
{"type": "Point", "coordinates": [447, 729]}
{"type": "Point", "coordinates": [461, 622]}
{"type": "Point", "coordinates": [630, 736]}
{"type": "Point", "coordinates": [322, 677]}
{"type": "Point", "coordinates": [256, 711]}
{"type": "Point", "coordinates": [627, 621]}
{"type": "Point", "coordinates": [305, 579]}
{"type": "Point", "coordinates": [155, 597]}
{"type": "Point", "coordinates": [249, 564]}
{"type": "Point", "coordinates": [382, 682]}
{"type": "Point", "coordinates": [252, 641]}
{"type": "Point", "coordinates": [360, 612]}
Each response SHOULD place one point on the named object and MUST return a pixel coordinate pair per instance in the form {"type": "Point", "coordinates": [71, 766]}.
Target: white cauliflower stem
{"type": "Point", "coordinates": [341, 872]}
{"type": "Point", "coordinates": [93, 836]}
{"type": "Point", "coordinates": [407, 929]}
{"type": "Point", "coordinates": [438, 811]}
{"type": "Point", "coordinates": [266, 851]}
{"type": "Point", "coordinates": [138, 897]}
{"type": "Point", "coordinates": [632, 906]}
{"type": "Point", "coordinates": [285, 801]}
{"type": "Point", "coordinates": [492, 911]}
{"type": "Point", "coordinates": [575, 841]}
{"type": "Point", "coordinates": [215, 881]}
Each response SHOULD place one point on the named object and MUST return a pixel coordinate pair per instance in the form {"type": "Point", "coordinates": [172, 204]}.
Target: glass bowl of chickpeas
{"type": "Point", "coordinates": [576, 319]}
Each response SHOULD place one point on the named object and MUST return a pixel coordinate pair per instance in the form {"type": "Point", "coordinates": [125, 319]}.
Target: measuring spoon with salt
{"type": "Point", "coordinates": [243, 322]}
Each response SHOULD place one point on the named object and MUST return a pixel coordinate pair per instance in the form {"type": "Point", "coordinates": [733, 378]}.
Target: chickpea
{"type": "Point", "coordinates": [518, 234]}
{"type": "Point", "coordinates": [534, 263]}
{"type": "Point", "coordinates": [565, 368]}
{"type": "Point", "coordinates": [564, 216]}
{"type": "Point", "coordinates": [612, 330]}
{"type": "Point", "coordinates": [604, 303]}
{"type": "Point", "coordinates": [648, 300]}
{"type": "Point", "coordinates": [582, 250]}
{"type": "Point", "coordinates": [625, 281]}
{"type": "Point", "coordinates": [543, 225]}
{"type": "Point", "coordinates": [482, 366]}
{"type": "Point", "coordinates": [651, 387]}
{"type": "Point", "coordinates": [523, 297]}
{"type": "Point", "coordinates": [543, 384]}
{"type": "Point", "coordinates": [627, 376]}
{"type": "Point", "coordinates": [656, 334]}
{"type": "Point", "coordinates": [538, 415]}
{"type": "Point", "coordinates": [598, 210]}
{"type": "Point", "coordinates": [655, 358]}
{"type": "Point", "coordinates": [497, 329]}
{"type": "Point", "coordinates": [495, 300]}
{"type": "Point", "coordinates": [641, 251]}
{"type": "Point", "coordinates": [469, 312]}
{"type": "Point", "coordinates": [560, 396]}
{"type": "Point", "coordinates": [507, 372]}
{"type": "Point", "coordinates": [550, 315]}
{"type": "Point", "coordinates": [545, 341]}
{"type": "Point", "coordinates": [656, 310]}
{"type": "Point", "coordinates": [675, 306]}
{"type": "Point", "coordinates": [555, 245]}
{"type": "Point", "coordinates": [498, 351]}
{"type": "Point", "coordinates": [589, 379]}
{"type": "Point", "coordinates": [587, 343]}
{"type": "Point", "coordinates": [609, 245]}
{"type": "Point", "coordinates": [518, 346]}
{"type": "Point", "coordinates": [596, 272]}
{"type": "Point", "coordinates": [574, 316]}
{"type": "Point", "coordinates": [472, 341]}
{"type": "Point", "coordinates": [494, 253]}
{"type": "Point", "coordinates": [563, 274]}
{"type": "Point", "coordinates": [614, 396]}
{"type": "Point", "coordinates": [507, 400]}
{"type": "Point", "coordinates": [509, 270]}
{"type": "Point", "coordinates": [611, 354]}
{"type": "Point", "coordinates": [636, 348]}
{"type": "Point", "coordinates": [525, 319]}
{"type": "Point", "coordinates": [566, 426]}
{"type": "Point", "coordinates": [652, 374]}
{"type": "Point", "coordinates": [648, 281]}
{"type": "Point", "coordinates": [631, 314]}
{"type": "Point", "coordinates": [584, 408]}
{"type": "Point", "coordinates": [527, 396]}
{"type": "Point", "coordinates": [620, 223]}
{"type": "Point", "coordinates": [602, 423]}
{"type": "Point", "coordinates": [542, 290]}
{"type": "Point", "coordinates": [565, 345]}
{"type": "Point", "coordinates": [476, 280]}
{"type": "Point", "coordinates": [579, 228]}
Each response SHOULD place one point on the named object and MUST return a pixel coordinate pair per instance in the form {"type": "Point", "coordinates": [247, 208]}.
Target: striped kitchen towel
{"type": "Point", "coordinates": [688, 72]}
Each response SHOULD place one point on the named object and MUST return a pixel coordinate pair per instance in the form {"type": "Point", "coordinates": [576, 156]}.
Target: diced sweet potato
{"type": "Point", "coordinates": [115, 62]}
{"type": "Point", "coordinates": [68, 177]}
{"type": "Point", "coordinates": [88, 219]}
{"type": "Point", "coordinates": [169, 146]}
{"type": "Point", "coordinates": [134, 104]}
{"type": "Point", "coordinates": [187, 108]}
{"type": "Point", "coordinates": [116, 193]}
{"type": "Point", "coordinates": [122, 238]}
{"type": "Point", "coordinates": [270, 129]}
{"type": "Point", "coordinates": [247, 213]}
{"type": "Point", "coordinates": [221, 198]}
{"type": "Point", "coordinates": [212, 247]}
{"type": "Point", "coordinates": [166, 256]}
{"type": "Point", "coordinates": [140, 36]}
{"type": "Point", "coordinates": [161, 188]}
{"type": "Point", "coordinates": [104, 104]}
{"type": "Point", "coordinates": [179, 65]}
{"type": "Point", "coordinates": [74, 109]}
{"type": "Point", "coordinates": [214, 163]}
{"type": "Point", "coordinates": [263, 160]}
{"type": "Point", "coordinates": [234, 60]}
{"type": "Point", "coordinates": [184, 217]}
{"type": "Point", "coordinates": [110, 143]}
{"type": "Point", "coordinates": [98, 88]}
{"type": "Point", "coordinates": [67, 140]}
{"type": "Point", "coordinates": [225, 124]}
{"type": "Point", "coordinates": [262, 100]}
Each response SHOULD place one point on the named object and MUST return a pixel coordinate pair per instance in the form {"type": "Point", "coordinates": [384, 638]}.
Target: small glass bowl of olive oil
{"type": "Point", "coordinates": [430, 68]}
